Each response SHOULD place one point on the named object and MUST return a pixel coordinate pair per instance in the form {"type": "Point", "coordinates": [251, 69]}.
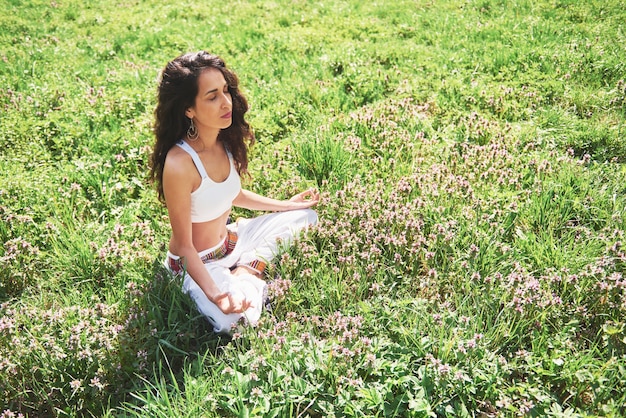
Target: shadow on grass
{"type": "Point", "coordinates": [162, 335]}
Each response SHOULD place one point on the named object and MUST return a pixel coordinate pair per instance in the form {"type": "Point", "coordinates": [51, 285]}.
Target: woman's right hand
{"type": "Point", "coordinates": [232, 303]}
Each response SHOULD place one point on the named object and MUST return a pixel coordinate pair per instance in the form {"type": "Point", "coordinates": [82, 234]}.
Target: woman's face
{"type": "Point", "coordinates": [213, 105]}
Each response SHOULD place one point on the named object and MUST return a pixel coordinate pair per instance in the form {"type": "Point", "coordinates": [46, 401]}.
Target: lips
{"type": "Point", "coordinates": [227, 116]}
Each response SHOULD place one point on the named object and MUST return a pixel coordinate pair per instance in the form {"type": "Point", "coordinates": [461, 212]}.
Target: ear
{"type": "Point", "coordinates": [189, 113]}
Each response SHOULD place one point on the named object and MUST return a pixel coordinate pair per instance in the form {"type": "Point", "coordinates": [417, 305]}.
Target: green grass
{"type": "Point", "coordinates": [469, 258]}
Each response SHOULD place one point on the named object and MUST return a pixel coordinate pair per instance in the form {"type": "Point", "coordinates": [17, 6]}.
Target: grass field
{"type": "Point", "coordinates": [469, 259]}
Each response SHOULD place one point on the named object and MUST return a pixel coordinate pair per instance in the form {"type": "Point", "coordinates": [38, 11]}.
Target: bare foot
{"type": "Point", "coordinates": [245, 270]}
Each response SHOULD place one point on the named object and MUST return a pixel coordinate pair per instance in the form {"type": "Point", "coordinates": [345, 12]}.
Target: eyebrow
{"type": "Point", "coordinates": [214, 90]}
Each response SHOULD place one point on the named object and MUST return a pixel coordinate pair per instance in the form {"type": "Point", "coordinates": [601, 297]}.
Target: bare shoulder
{"type": "Point", "coordinates": [177, 162]}
{"type": "Point", "coordinates": [179, 173]}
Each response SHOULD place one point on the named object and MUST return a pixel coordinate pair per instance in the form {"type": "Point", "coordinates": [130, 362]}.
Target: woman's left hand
{"type": "Point", "coordinates": [307, 198]}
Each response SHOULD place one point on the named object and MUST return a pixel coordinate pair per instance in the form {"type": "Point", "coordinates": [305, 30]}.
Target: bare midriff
{"type": "Point", "coordinates": [207, 235]}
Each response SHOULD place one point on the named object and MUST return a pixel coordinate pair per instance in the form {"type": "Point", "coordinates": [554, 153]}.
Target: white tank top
{"type": "Point", "coordinates": [211, 199]}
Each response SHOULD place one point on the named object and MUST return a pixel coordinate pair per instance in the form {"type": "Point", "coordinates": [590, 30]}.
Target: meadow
{"type": "Point", "coordinates": [470, 254]}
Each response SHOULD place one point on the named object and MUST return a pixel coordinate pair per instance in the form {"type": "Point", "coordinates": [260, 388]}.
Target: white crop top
{"type": "Point", "coordinates": [211, 199]}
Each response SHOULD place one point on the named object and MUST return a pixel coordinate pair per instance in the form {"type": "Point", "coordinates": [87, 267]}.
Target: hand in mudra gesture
{"type": "Point", "coordinates": [232, 303]}
{"type": "Point", "coordinates": [306, 199]}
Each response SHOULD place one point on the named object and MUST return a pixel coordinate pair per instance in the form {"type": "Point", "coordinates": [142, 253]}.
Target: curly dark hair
{"type": "Point", "coordinates": [177, 92]}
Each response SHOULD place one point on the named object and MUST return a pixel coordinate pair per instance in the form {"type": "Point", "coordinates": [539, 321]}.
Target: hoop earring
{"type": "Point", "coordinates": [192, 132]}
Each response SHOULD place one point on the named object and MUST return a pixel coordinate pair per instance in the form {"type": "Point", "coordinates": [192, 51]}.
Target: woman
{"type": "Point", "coordinates": [199, 154]}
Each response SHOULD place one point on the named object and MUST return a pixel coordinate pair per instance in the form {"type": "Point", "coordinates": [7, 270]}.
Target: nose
{"type": "Point", "coordinates": [228, 101]}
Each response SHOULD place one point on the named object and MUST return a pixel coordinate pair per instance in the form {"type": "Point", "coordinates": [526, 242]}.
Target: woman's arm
{"type": "Point", "coordinates": [253, 201]}
{"type": "Point", "coordinates": [177, 189]}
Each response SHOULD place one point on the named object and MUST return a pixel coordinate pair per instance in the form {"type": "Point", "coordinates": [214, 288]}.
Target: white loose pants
{"type": "Point", "coordinates": [257, 239]}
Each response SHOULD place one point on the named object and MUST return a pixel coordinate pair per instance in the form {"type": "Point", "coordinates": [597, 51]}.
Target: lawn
{"type": "Point", "coordinates": [469, 259]}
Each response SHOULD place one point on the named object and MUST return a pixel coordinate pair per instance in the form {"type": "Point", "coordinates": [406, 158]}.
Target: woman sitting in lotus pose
{"type": "Point", "coordinates": [200, 152]}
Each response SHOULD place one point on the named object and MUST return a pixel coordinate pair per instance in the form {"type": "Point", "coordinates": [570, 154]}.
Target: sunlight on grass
{"type": "Point", "coordinates": [469, 259]}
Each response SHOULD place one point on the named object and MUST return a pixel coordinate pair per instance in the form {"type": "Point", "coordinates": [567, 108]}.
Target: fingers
{"type": "Point", "coordinates": [236, 305]}
{"type": "Point", "coordinates": [306, 199]}
{"type": "Point", "coordinates": [244, 304]}
{"type": "Point", "coordinates": [314, 195]}
{"type": "Point", "coordinates": [312, 192]}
